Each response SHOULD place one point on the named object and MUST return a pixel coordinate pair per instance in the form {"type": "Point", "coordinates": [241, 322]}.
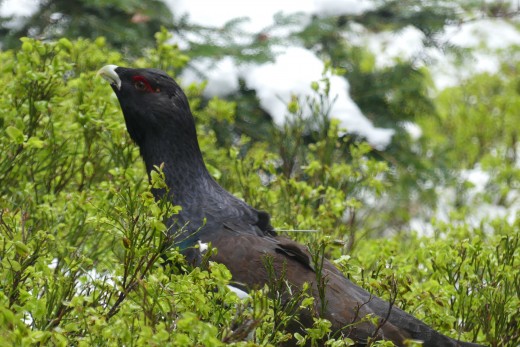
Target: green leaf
{"type": "Point", "coordinates": [39, 336]}
{"type": "Point", "coordinates": [215, 173]}
{"type": "Point", "coordinates": [27, 46]}
{"type": "Point", "coordinates": [15, 134]}
{"type": "Point", "coordinates": [7, 316]}
{"type": "Point", "coordinates": [64, 43]}
{"type": "Point", "coordinates": [89, 169]}
{"type": "Point", "coordinates": [15, 265]}
{"type": "Point", "coordinates": [34, 142]}
{"type": "Point", "coordinates": [21, 248]}
{"type": "Point", "coordinates": [157, 178]}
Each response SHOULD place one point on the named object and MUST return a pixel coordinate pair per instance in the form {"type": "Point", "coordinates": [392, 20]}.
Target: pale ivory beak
{"type": "Point", "coordinates": [108, 72]}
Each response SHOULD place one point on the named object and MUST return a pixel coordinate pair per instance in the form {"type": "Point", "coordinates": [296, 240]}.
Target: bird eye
{"type": "Point", "coordinates": [140, 85]}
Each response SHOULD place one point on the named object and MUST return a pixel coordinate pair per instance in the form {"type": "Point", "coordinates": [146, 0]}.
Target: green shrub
{"type": "Point", "coordinates": [81, 236]}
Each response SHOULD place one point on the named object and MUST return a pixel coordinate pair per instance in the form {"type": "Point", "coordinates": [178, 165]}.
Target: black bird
{"type": "Point", "coordinates": [159, 120]}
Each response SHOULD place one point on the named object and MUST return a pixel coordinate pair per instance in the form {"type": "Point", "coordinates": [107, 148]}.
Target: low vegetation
{"type": "Point", "coordinates": [81, 261]}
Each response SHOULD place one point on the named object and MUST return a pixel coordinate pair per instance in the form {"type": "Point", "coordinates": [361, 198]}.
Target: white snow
{"type": "Point", "coordinates": [388, 47]}
{"type": "Point", "coordinates": [53, 264]}
{"type": "Point", "coordinates": [480, 210]}
{"type": "Point", "coordinates": [488, 33]}
{"type": "Point", "coordinates": [221, 75]}
{"type": "Point", "coordinates": [203, 247]}
{"type": "Point", "coordinates": [18, 7]}
{"type": "Point", "coordinates": [412, 129]}
{"type": "Point", "coordinates": [291, 74]}
{"type": "Point", "coordinates": [477, 177]}
{"type": "Point", "coordinates": [336, 8]}
{"type": "Point", "coordinates": [260, 13]}
{"type": "Point", "coordinates": [391, 47]}
{"type": "Point", "coordinates": [239, 292]}
{"type": "Point", "coordinates": [217, 13]}
{"type": "Point", "coordinates": [295, 67]}
{"type": "Point", "coordinates": [485, 37]}
{"type": "Point", "coordinates": [421, 227]}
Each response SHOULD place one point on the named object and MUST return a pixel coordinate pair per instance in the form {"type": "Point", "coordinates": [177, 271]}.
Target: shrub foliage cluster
{"type": "Point", "coordinates": [81, 261]}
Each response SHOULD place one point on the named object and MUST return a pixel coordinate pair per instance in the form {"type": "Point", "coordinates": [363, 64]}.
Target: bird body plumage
{"type": "Point", "coordinates": [159, 120]}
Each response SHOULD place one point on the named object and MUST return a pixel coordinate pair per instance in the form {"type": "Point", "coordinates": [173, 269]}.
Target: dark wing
{"type": "Point", "coordinates": [345, 303]}
{"type": "Point", "coordinates": [209, 214]}
{"type": "Point", "coordinates": [222, 208]}
{"type": "Point", "coordinates": [244, 255]}
{"type": "Point", "coordinates": [237, 218]}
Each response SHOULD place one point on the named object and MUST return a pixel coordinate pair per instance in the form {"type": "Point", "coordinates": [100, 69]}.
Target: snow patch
{"type": "Point", "coordinates": [53, 264]}
{"type": "Point", "coordinates": [337, 8]}
{"type": "Point", "coordinates": [477, 177]}
{"type": "Point", "coordinates": [292, 74]}
{"type": "Point", "coordinates": [239, 292]}
{"type": "Point", "coordinates": [23, 8]}
{"type": "Point", "coordinates": [421, 227]}
{"type": "Point", "coordinates": [260, 13]}
{"type": "Point", "coordinates": [412, 129]}
{"type": "Point", "coordinates": [486, 36]}
{"type": "Point", "coordinates": [217, 13]}
{"type": "Point", "coordinates": [221, 75]}
{"type": "Point", "coordinates": [488, 33]}
{"type": "Point", "coordinates": [390, 47]}
{"type": "Point", "coordinates": [203, 247]}
{"type": "Point", "coordinates": [480, 211]}
{"type": "Point", "coordinates": [17, 9]}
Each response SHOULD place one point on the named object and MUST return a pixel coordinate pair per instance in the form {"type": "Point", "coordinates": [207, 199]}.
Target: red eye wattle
{"type": "Point", "coordinates": [142, 84]}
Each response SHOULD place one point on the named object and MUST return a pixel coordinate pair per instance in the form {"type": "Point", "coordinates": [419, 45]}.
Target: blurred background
{"type": "Point", "coordinates": [431, 86]}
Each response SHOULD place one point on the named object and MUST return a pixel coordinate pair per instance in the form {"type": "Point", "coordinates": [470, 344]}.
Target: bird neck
{"type": "Point", "coordinates": [185, 173]}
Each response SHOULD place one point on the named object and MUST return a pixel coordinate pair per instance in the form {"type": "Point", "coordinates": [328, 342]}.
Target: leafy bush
{"type": "Point", "coordinates": [81, 236]}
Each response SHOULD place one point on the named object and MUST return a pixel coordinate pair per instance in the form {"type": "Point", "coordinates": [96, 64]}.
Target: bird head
{"type": "Point", "coordinates": [152, 102]}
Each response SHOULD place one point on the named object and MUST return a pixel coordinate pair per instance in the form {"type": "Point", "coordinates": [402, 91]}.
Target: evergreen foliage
{"type": "Point", "coordinates": [129, 25]}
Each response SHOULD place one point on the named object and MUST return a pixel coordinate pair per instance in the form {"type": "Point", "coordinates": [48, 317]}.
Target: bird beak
{"type": "Point", "coordinates": [109, 73]}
